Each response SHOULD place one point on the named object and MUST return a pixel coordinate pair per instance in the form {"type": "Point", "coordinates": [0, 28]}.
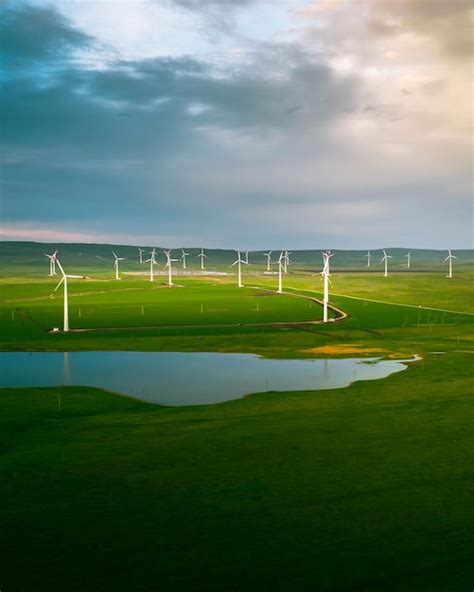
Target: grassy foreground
{"type": "Point", "coordinates": [367, 488]}
{"type": "Point", "coordinates": [364, 489]}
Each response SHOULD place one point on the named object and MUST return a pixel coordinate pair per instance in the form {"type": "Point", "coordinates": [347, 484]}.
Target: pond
{"type": "Point", "coordinates": [176, 378]}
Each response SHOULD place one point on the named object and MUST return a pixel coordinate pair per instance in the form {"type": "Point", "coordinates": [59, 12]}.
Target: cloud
{"type": "Point", "coordinates": [36, 35]}
{"type": "Point", "coordinates": [316, 130]}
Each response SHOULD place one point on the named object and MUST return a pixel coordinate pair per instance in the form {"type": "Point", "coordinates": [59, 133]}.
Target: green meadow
{"type": "Point", "coordinates": [367, 488]}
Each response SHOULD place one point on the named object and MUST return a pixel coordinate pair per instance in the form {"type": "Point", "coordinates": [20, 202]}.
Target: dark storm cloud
{"type": "Point", "coordinates": [122, 134]}
{"type": "Point", "coordinates": [36, 34]}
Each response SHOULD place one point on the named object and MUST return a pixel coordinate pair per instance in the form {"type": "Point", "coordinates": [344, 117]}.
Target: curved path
{"type": "Point", "coordinates": [339, 315]}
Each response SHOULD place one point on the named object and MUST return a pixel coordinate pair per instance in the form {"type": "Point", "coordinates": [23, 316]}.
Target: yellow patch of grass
{"type": "Point", "coordinates": [343, 350]}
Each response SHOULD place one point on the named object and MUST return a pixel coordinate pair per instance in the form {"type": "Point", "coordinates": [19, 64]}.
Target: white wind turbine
{"type": "Point", "coordinates": [280, 270]}
{"type": "Point", "coordinates": [369, 257]}
{"type": "Point", "coordinates": [408, 258]}
{"type": "Point", "coordinates": [152, 261]}
{"type": "Point", "coordinates": [286, 260]}
{"type": "Point", "coordinates": [325, 276]}
{"type": "Point", "coordinates": [116, 265]}
{"type": "Point", "coordinates": [168, 265]}
{"type": "Point", "coordinates": [140, 254]}
{"type": "Point", "coordinates": [449, 259]}
{"type": "Point", "coordinates": [269, 260]}
{"type": "Point", "coordinates": [385, 259]}
{"type": "Point", "coordinates": [246, 258]}
{"type": "Point", "coordinates": [239, 261]}
{"type": "Point", "coordinates": [183, 257]}
{"type": "Point", "coordinates": [64, 280]}
{"type": "Point", "coordinates": [52, 262]}
{"type": "Point", "coordinates": [203, 256]}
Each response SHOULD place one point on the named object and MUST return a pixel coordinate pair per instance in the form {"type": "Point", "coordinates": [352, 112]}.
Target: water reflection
{"type": "Point", "coordinates": [186, 378]}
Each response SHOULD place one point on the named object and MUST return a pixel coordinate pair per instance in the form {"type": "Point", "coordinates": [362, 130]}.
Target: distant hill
{"type": "Point", "coordinates": [18, 258]}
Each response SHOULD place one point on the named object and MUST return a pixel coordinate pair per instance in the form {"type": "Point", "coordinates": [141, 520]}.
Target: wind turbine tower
{"type": "Point", "coordinates": [239, 262]}
{"type": "Point", "coordinates": [449, 259]}
{"type": "Point", "coordinates": [202, 256]}
{"type": "Point", "coordinates": [152, 261]}
{"type": "Point", "coordinates": [64, 280]}
{"type": "Point", "coordinates": [408, 258]}
{"type": "Point", "coordinates": [183, 257]}
{"type": "Point", "coordinates": [369, 257]}
{"type": "Point", "coordinates": [140, 254]}
{"type": "Point", "coordinates": [169, 260]}
{"type": "Point", "coordinates": [52, 262]}
{"type": "Point", "coordinates": [280, 270]}
{"type": "Point", "coordinates": [269, 260]}
{"type": "Point", "coordinates": [286, 260]}
{"type": "Point", "coordinates": [325, 276]}
{"type": "Point", "coordinates": [384, 260]}
{"type": "Point", "coordinates": [116, 265]}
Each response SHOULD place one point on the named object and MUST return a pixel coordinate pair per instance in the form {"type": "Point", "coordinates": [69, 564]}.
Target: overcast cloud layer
{"type": "Point", "coordinates": [238, 123]}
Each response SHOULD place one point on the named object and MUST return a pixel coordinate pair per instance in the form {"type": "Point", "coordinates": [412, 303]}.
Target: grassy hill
{"type": "Point", "coordinates": [19, 258]}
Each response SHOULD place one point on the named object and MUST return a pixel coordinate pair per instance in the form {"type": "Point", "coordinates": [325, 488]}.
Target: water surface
{"type": "Point", "coordinates": [177, 378]}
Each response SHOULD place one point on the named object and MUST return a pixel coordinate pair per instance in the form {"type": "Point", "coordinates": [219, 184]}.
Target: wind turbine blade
{"type": "Point", "coordinates": [60, 282]}
{"type": "Point", "coordinates": [60, 267]}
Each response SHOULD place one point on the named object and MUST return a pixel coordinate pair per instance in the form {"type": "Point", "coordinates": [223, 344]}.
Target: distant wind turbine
{"type": "Point", "coordinates": [52, 262]}
{"type": "Point", "coordinates": [385, 259]}
{"type": "Point", "coordinates": [183, 257]}
{"type": "Point", "coordinates": [64, 280]}
{"type": "Point", "coordinates": [116, 265]}
{"type": "Point", "coordinates": [152, 261]}
{"type": "Point", "coordinates": [449, 259]}
{"type": "Point", "coordinates": [369, 257]}
{"type": "Point", "coordinates": [269, 260]}
{"type": "Point", "coordinates": [140, 254]}
{"type": "Point", "coordinates": [169, 260]}
{"type": "Point", "coordinates": [280, 270]}
{"type": "Point", "coordinates": [239, 262]}
{"type": "Point", "coordinates": [203, 256]}
{"type": "Point", "coordinates": [325, 276]}
{"type": "Point", "coordinates": [247, 258]}
{"type": "Point", "coordinates": [286, 260]}
{"type": "Point", "coordinates": [408, 258]}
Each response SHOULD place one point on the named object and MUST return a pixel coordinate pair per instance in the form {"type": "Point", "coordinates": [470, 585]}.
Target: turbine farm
{"type": "Point", "coordinates": [189, 417]}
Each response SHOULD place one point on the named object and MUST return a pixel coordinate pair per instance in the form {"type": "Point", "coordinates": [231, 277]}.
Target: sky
{"type": "Point", "coordinates": [246, 124]}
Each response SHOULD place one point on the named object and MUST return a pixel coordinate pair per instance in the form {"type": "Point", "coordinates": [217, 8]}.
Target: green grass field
{"type": "Point", "coordinates": [368, 488]}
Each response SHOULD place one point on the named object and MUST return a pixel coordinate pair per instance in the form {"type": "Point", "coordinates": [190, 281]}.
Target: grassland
{"type": "Point", "coordinates": [365, 489]}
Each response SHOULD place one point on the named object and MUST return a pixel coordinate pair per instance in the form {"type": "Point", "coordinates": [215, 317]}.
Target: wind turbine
{"type": "Point", "coordinates": [269, 260]}
{"type": "Point", "coordinates": [168, 265]}
{"type": "Point", "coordinates": [52, 262]}
{"type": "Point", "coordinates": [64, 280]}
{"type": "Point", "coordinates": [280, 269]}
{"type": "Point", "coordinates": [246, 258]}
{"type": "Point", "coordinates": [239, 262]}
{"type": "Point", "coordinates": [183, 257]}
{"type": "Point", "coordinates": [369, 257]}
{"type": "Point", "coordinates": [449, 259]}
{"type": "Point", "coordinates": [408, 258]}
{"type": "Point", "coordinates": [325, 276]}
{"type": "Point", "coordinates": [203, 256]}
{"type": "Point", "coordinates": [152, 261]}
{"type": "Point", "coordinates": [140, 252]}
{"type": "Point", "coordinates": [116, 265]}
{"type": "Point", "coordinates": [286, 260]}
{"type": "Point", "coordinates": [385, 259]}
